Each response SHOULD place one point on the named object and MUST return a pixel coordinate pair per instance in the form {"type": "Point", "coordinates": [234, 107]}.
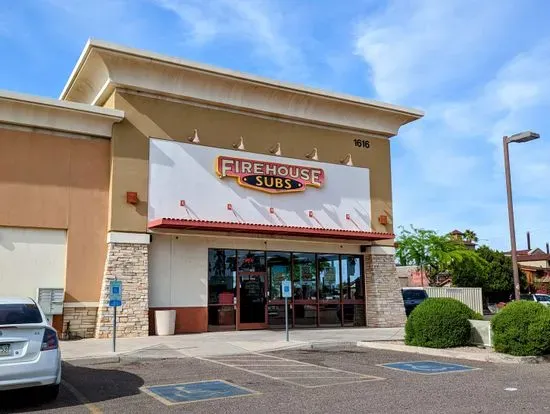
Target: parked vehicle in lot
{"type": "Point", "coordinates": [29, 348]}
{"type": "Point", "coordinates": [412, 297]}
{"type": "Point", "coordinates": [537, 297]}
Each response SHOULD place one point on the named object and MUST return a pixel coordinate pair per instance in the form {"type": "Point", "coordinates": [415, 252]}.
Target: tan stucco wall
{"type": "Point", "coordinates": [56, 182]}
{"type": "Point", "coordinates": [147, 117]}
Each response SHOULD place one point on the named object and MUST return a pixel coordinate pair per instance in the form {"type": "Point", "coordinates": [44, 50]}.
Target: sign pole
{"type": "Point", "coordinates": [286, 317]}
{"type": "Point", "coordinates": [115, 300]}
{"type": "Point", "coordinates": [114, 329]}
{"type": "Point", "coordinates": [286, 290]}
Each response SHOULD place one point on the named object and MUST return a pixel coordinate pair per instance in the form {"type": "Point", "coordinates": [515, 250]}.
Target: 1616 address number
{"type": "Point", "coordinates": [361, 143]}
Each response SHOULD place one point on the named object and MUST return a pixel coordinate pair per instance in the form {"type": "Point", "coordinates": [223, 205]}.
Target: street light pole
{"type": "Point", "coordinates": [511, 217]}
{"type": "Point", "coordinates": [521, 137]}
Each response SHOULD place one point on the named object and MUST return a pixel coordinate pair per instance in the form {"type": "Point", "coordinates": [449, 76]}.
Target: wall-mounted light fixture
{"type": "Point", "coordinates": [195, 138]}
{"type": "Point", "coordinates": [132, 197]}
{"type": "Point", "coordinates": [313, 155]}
{"type": "Point", "coordinates": [276, 150]}
{"type": "Point", "coordinates": [239, 145]}
{"type": "Point", "coordinates": [347, 160]}
{"type": "Point", "coordinates": [383, 219]}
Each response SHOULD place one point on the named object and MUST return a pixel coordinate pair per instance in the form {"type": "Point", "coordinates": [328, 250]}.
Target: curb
{"type": "Point", "coordinates": [330, 344]}
{"type": "Point", "coordinates": [99, 360]}
{"type": "Point", "coordinates": [493, 357]}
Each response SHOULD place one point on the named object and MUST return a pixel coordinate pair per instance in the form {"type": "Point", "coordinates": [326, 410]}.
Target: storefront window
{"type": "Point", "coordinates": [222, 288]}
{"type": "Point", "coordinates": [305, 279]}
{"type": "Point", "coordinates": [278, 270]}
{"type": "Point", "coordinates": [327, 289]}
{"type": "Point", "coordinates": [329, 276]}
{"type": "Point", "coordinates": [222, 276]}
{"type": "Point", "coordinates": [352, 279]}
{"type": "Point", "coordinates": [250, 261]}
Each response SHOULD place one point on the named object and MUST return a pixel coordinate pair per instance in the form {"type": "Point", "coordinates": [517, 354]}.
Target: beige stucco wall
{"type": "Point", "coordinates": [537, 263]}
{"type": "Point", "coordinates": [147, 117]}
{"type": "Point", "coordinates": [56, 182]}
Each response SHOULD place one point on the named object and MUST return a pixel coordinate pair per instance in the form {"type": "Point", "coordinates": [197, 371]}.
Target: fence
{"type": "Point", "coordinates": [469, 296]}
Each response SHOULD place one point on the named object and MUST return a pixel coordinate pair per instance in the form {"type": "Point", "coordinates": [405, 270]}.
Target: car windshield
{"type": "Point", "coordinates": [543, 298]}
{"type": "Point", "coordinates": [414, 294]}
{"type": "Point", "coordinates": [19, 313]}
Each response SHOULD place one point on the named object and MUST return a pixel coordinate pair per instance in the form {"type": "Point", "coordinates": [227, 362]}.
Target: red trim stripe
{"type": "Point", "coordinates": [185, 224]}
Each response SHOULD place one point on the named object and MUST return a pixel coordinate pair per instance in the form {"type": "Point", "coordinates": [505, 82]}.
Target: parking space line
{"type": "Point", "coordinates": [81, 398]}
{"type": "Point", "coordinates": [331, 377]}
{"type": "Point", "coordinates": [263, 365]}
{"type": "Point", "coordinates": [347, 382]}
{"type": "Point", "coordinates": [271, 371]}
{"type": "Point", "coordinates": [242, 369]}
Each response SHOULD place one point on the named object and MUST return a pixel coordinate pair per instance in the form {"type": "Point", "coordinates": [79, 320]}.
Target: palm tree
{"type": "Point", "coordinates": [471, 236]}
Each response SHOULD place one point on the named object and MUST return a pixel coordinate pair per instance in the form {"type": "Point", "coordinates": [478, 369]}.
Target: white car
{"type": "Point", "coordinates": [537, 297]}
{"type": "Point", "coordinates": [29, 348]}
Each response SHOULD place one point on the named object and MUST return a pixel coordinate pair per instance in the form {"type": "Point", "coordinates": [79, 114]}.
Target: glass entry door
{"type": "Point", "coordinates": [252, 301]}
{"type": "Point", "coordinates": [252, 292]}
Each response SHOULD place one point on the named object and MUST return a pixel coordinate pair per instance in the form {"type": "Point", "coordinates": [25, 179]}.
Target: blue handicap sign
{"type": "Point", "coordinates": [115, 293]}
{"type": "Point", "coordinates": [196, 391]}
{"type": "Point", "coordinates": [285, 287]}
{"type": "Point", "coordinates": [428, 367]}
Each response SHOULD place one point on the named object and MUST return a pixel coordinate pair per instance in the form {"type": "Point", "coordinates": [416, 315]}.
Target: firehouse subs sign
{"type": "Point", "coordinates": [269, 177]}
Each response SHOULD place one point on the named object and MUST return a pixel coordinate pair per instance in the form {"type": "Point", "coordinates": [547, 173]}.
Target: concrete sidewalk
{"type": "Point", "coordinates": [219, 343]}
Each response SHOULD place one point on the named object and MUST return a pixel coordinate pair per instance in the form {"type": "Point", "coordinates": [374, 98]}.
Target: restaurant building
{"type": "Point", "coordinates": [201, 189]}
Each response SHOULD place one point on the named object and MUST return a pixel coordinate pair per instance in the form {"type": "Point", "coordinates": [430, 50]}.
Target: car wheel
{"type": "Point", "coordinates": [51, 392]}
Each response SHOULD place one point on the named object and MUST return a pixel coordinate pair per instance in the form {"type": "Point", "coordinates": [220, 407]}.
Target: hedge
{"type": "Point", "coordinates": [440, 323]}
{"type": "Point", "coordinates": [522, 328]}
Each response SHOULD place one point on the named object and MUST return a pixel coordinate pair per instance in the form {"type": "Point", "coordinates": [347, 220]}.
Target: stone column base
{"type": "Point", "coordinates": [127, 261]}
{"type": "Point", "coordinates": [385, 308]}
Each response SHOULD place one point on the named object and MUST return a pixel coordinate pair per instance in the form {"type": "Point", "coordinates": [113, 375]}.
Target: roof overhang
{"type": "Point", "coordinates": [103, 67]}
{"type": "Point", "coordinates": [52, 114]}
{"type": "Point", "coordinates": [247, 228]}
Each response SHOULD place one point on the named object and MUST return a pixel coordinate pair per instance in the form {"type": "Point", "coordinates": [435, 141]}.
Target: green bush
{"type": "Point", "coordinates": [440, 323]}
{"type": "Point", "coordinates": [522, 328]}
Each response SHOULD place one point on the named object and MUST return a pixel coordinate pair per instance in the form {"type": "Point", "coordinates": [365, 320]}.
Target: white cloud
{"type": "Point", "coordinates": [447, 57]}
{"type": "Point", "coordinates": [415, 46]}
{"type": "Point", "coordinates": [258, 23]}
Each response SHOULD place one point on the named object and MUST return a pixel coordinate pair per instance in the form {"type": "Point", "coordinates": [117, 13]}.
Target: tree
{"type": "Point", "coordinates": [470, 273]}
{"type": "Point", "coordinates": [470, 236]}
{"type": "Point", "coordinates": [433, 253]}
{"type": "Point", "coordinates": [500, 277]}
{"type": "Point", "coordinates": [492, 272]}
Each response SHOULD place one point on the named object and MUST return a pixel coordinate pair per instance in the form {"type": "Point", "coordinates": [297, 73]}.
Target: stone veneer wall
{"type": "Point", "coordinates": [81, 320]}
{"type": "Point", "coordinates": [127, 262]}
{"type": "Point", "coordinates": [385, 307]}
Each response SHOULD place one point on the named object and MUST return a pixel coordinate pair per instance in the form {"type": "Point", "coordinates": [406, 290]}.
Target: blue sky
{"type": "Point", "coordinates": [480, 70]}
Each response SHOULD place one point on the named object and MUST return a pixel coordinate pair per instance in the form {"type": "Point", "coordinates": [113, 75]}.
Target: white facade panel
{"type": "Point", "coordinates": [178, 265]}
{"type": "Point", "coordinates": [187, 172]}
{"type": "Point", "coordinates": [31, 259]}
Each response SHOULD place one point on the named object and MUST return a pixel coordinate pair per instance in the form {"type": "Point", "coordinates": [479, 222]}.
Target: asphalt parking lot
{"type": "Point", "coordinates": [298, 381]}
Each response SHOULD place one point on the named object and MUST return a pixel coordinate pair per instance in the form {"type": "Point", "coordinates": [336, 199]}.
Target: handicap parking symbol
{"type": "Point", "coordinates": [171, 394]}
{"type": "Point", "coordinates": [428, 367]}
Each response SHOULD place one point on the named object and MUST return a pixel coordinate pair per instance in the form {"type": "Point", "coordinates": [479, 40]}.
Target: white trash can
{"type": "Point", "coordinates": [165, 322]}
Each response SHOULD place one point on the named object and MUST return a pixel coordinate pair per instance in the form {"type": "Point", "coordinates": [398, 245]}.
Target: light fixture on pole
{"type": "Point", "coordinates": [520, 138]}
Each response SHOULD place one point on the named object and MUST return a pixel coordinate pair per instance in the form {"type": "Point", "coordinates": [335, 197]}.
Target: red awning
{"type": "Point", "coordinates": [206, 225]}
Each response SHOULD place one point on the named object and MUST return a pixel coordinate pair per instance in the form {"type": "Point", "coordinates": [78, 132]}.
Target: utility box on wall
{"type": "Point", "coordinates": [51, 301]}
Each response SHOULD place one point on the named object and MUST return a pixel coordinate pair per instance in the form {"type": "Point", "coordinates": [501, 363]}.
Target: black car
{"type": "Point", "coordinates": [412, 297]}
